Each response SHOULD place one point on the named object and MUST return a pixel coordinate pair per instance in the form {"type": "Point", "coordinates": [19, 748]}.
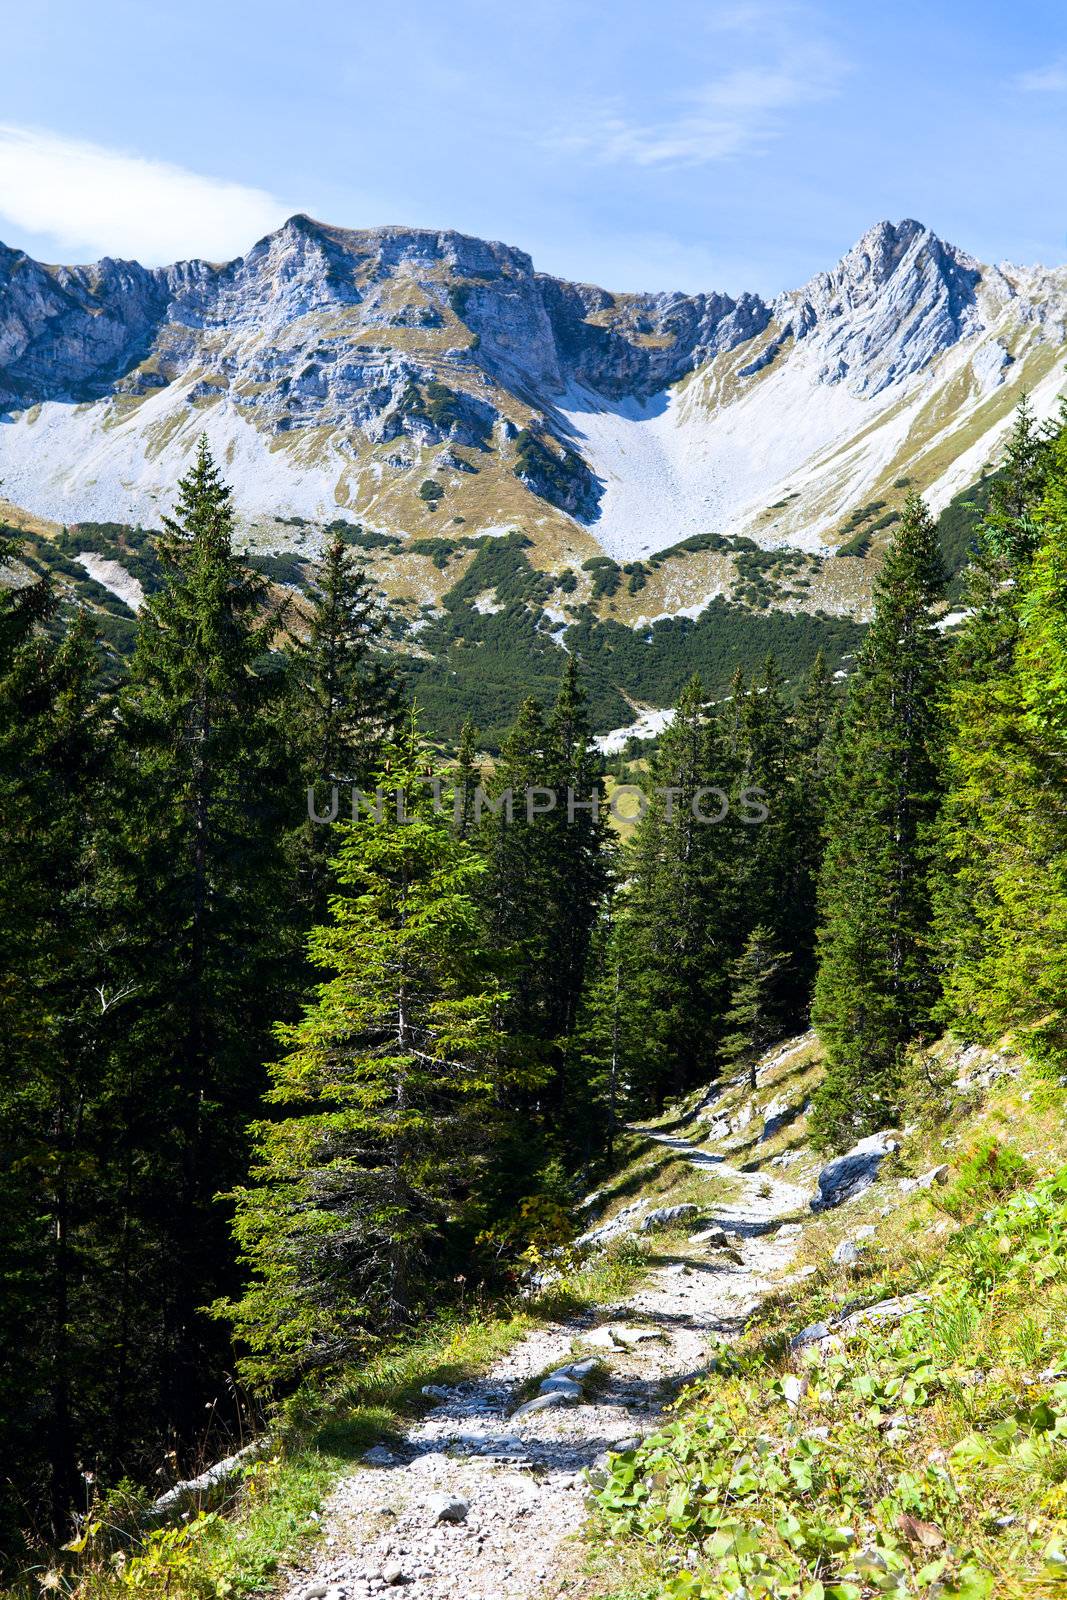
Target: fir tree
{"type": "Point", "coordinates": [385, 1099]}
{"type": "Point", "coordinates": [877, 983]}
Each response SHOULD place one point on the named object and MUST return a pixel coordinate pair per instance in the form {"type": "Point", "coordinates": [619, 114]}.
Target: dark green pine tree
{"type": "Point", "coordinates": [345, 708]}
{"type": "Point", "coordinates": [57, 1325]}
{"type": "Point", "coordinates": [877, 982]}
{"type": "Point", "coordinates": [582, 851]}
{"type": "Point", "coordinates": [681, 903]}
{"type": "Point", "coordinates": [1019, 979]}
{"type": "Point", "coordinates": [811, 735]}
{"type": "Point", "coordinates": [985, 734]}
{"type": "Point", "coordinates": [753, 1020]}
{"type": "Point", "coordinates": [209, 958]}
{"type": "Point", "coordinates": [368, 1174]}
{"type": "Point", "coordinates": [467, 778]}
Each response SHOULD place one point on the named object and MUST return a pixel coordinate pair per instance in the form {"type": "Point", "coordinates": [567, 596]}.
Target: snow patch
{"type": "Point", "coordinates": [114, 577]}
{"type": "Point", "coordinates": [648, 724]}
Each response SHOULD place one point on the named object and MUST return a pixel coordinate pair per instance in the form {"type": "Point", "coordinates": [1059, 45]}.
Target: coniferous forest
{"type": "Point", "coordinates": [273, 1088]}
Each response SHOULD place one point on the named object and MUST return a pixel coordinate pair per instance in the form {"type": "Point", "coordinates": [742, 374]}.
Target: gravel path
{"type": "Point", "coordinates": [515, 1484]}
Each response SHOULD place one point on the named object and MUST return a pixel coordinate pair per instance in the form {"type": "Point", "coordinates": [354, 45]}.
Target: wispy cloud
{"type": "Point", "coordinates": [106, 202]}
{"type": "Point", "coordinates": [739, 111]}
{"type": "Point", "coordinates": [1044, 80]}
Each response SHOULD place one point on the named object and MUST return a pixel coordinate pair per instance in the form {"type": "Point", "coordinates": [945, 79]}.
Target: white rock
{"type": "Point", "coordinates": [579, 1370]}
{"type": "Point", "coordinates": [546, 1402]}
{"type": "Point", "coordinates": [664, 1216]}
{"type": "Point", "coordinates": [849, 1251]}
{"type": "Point", "coordinates": [446, 1508]}
{"type": "Point", "coordinates": [794, 1389]}
{"type": "Point", "coordinates": [849, 1175]}
{"type": "Point", "coordinates": [561, 1385]}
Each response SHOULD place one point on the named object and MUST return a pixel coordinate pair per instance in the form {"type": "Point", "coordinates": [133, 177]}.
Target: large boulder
{"type": "Point", "coordinates": [849, 1175]}
{"type": "Point", "coordinates": [664, 1216]}
{"type": "Point", "coordinates": [775, 1117]}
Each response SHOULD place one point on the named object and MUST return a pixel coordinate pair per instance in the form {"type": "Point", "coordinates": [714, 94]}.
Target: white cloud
{"type": "Point", "coordinates": [1044, 80]}
{"type": "Point", "coordinates": [105, 202]}
{"type": "Point", "coordinates": [738, 112]}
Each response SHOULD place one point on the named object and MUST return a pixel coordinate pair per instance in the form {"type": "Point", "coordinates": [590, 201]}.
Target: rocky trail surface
{"type": "Point", "coordinates": [480, 1500]}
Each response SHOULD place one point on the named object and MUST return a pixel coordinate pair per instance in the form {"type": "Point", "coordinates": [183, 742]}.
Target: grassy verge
{"type": "Point", "coordinates": [920, 1457]}
{"type": "Point", "coordinates": [236, 1547]}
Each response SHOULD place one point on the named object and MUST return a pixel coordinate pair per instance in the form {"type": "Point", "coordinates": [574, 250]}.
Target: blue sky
{"type": "Point", "coordinates": [641, 146]}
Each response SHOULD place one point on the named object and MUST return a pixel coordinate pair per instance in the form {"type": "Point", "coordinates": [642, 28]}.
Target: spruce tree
{"type": "Point", "coordinates": [811, 759]}
{"type": "Point", "coordinates": [681, 901]}
{"type": "Point", "coordinates": [986, 740]}
{"type": "Point", "coordinates": [371, 1166]}
{"type": "Point", "coordinates": [345, 706]}
{"type": "Point", "coordinates": [468, 777]}
{"type": "Point", "coordinates": [877, 983]}
{"type": "Point", "coordinates": [549, 856]}
{"type": "Point", "coordinates": [1021, 981]}
{"type": "Point", "coordinates": [57, 1326]}
{"type": "Point", "coordinates": [753, 1020]}
{"type": "Point", "coordinates": [583, 841]}
{"type": "Point", "coordinates": [209, 955]}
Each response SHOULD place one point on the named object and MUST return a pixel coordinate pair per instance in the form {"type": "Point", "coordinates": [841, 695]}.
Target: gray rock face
{"type": "Point", "coordinates": [849, 1175]}
{"type": "Point", "coordinates": [351, 339]}
{"type": "Point", "coordinates": [312, 329]}
{"type": "Point", "coordinates": [897, 299]}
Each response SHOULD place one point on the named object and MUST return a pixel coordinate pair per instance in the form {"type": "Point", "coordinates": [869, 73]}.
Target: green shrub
{"type": "Point", "coordinates": [989, 1172]}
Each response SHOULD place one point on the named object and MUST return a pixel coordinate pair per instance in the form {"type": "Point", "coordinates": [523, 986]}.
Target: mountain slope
{"type": "Point", "coordinates": [423, 381]}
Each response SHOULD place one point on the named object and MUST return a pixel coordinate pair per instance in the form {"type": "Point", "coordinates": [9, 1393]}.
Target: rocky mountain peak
{"type": "Point", "coordinates": [893, 301]}
{"type": "Point", "coordinates": [344, 367]}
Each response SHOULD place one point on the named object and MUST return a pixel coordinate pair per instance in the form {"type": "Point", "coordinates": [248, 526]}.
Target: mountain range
{"type": "Point", "coordinates": [434, 387]}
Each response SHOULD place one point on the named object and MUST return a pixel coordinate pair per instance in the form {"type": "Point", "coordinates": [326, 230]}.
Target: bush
{"type": "Point", "coordinates": [989, 1172]}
